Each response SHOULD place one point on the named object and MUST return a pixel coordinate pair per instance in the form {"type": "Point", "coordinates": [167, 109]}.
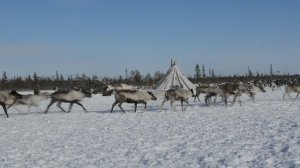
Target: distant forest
{"type": "Point", "coordinates": [134, 77]}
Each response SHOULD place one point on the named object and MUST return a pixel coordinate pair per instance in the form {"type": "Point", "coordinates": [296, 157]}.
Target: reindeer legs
{"type": "Point", "coordinates": [4, 108]}
{"type": "Point", "coordinates": [225, 100]}
{"type": "Point", "coordinates": [81, 106]}
{"type": "Point", "coordinates": [235, 96]}
{"type": "Point", "coordinates": [10, 106]}
{"type": "Point", "coordinates": [197, 96]}
{"type": "Point", "coordinates": [187, 103]}
{"type": "Point", "coordinates": [207, 99]}
{"type": "Point", "coordinates": [172, 105]}
{"type": "Point", "coordinates": [252, 95]}
{"type": "Point", "coordinates": [14, 102]}
{"type": "Point", "coordinates": [162, 103]}
{"type": "Point", "coordinates": [70, 106]}
{"type": "Point", "coordinates": [135, 105]}
{"type": "Point", "coordinates": [145, 103]}
{"type": "Point", "coordinates": [181, 101]}
{"type": "Point", "coordinates": [59, 106]}
{"type": "Point", "coordinates": [120, 105]}
{"type": "Point", "coordinates": [50, 104]}
{"type": "Point", "coordinates": [113, 105]}
{"type": "Point", "coordinates": [286, 93]}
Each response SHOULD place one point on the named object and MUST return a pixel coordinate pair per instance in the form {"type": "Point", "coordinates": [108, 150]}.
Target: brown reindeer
{"type": "Point", "coordinates": [202, 88]}
{"type": "Point", "coordinates": [227, 89]}
{"type": "Point", "coordinates": [237, 89]}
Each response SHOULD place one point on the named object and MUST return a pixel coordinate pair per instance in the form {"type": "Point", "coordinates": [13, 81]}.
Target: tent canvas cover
{"type": "Point", "coordinates": [174, 77]}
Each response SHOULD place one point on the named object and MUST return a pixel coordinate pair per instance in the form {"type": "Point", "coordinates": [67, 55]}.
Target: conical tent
{"type": "Point", "coordinates": [173, 78]}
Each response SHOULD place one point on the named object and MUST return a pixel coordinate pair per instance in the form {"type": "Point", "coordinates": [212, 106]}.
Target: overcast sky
{"type": "Point", "coordinates": [104, 37]}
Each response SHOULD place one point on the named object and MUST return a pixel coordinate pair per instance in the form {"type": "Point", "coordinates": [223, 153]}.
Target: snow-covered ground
{"type": "Point", "coordinates": [265, 133]}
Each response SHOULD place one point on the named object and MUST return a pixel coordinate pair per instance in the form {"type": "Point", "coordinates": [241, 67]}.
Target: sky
{"type": "Point", "coordinates": [105, 37]}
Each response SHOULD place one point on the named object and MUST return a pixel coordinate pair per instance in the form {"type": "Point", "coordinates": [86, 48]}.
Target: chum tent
{"type": "Point", "coordinates": [174, 78]}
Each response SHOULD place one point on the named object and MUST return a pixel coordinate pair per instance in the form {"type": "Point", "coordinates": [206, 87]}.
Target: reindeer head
{"type": "Point", "coordinates": [152, 96]}
{"type": "Point", "coordinates": [106, 91]}
{"type": "Point", "coordinates": [193, 95]}
{"type": "Point", "coordinates": [87, 92]}
{"type": "Point", "coordinates": [259, 87]}
{"type": "Point", "coordinates": [36, 91]}
{"type": "Point", "coordinates": [109, 88]}
{"type": "Point", "coordinates": [15, 94]}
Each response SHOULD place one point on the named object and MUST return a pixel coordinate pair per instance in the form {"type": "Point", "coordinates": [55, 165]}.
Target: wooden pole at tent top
{"type": "Point", "coordinates": [172, 62]}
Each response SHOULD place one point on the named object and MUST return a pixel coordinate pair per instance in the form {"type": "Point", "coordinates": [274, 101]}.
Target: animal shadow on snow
{"type": "Point", "coordinates": [33, 113]}
{"type": "Point", "coordinates": [100, 111]}
{"type": "Point", "coordinates": [40, 112]}
{"type": "Point", "coordinates": [279, 100]}
{"type": "Point", "coordinates": [139, 109]}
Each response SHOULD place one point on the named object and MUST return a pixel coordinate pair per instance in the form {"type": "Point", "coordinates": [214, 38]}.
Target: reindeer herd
{"type": "Point", "coordinates": [127, 94]}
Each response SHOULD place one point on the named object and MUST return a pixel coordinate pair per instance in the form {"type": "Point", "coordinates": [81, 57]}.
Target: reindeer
{"type": "Point", "coordinates": [227, 89]}
{"type": "Point", "coordinates": [276, 84]}
{"type": "Point", "coordinates": [31, 100]}
{"type": "Point", "coordinates": [292, 88]}
{"type": "Point", "coordinates": [120, 86]}
{"type": "Point", "coordinates": [110, 89]}
{"type": "Point", "coordinates": [209, 90]}
{"type": "Point", "coordinates": [71, 96]}
{"type": "Point", "coordinates": [237, 89]}
{"type": "Point", "coordinates": [201, 88]}
{"type": "Point", "coordinates": [8, 99]}
{"type": "Point", "coordinates": [177, 94]}
{"type": "Point", "coordinates": [212, 91]}
{"type": "Point", "coordinates": [252, 87]}
{"type": "Point", "coordinates": [132, 96]}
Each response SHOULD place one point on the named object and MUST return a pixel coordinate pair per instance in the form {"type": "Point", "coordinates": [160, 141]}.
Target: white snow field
{"type": "Point", "coordinates": [265, 133]}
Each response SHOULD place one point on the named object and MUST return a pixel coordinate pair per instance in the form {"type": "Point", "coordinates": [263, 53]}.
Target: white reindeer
{"type": "Point", "coordinates": [212, 91]}
{"type": "Point", "coordinates": [112, 88]}
{"type": "Point", "coordinates": [177, 94]}
{"type": "Point", "coordinates": [132, 96]}
{"type": "Point", "coordinates": [68, 97]}
{"type": "Point", "coordinates": [119, 87]}
{"type": "Point", "coordinates": [292, 88]}
{"type": "Point", "coordinates": [31, 100]}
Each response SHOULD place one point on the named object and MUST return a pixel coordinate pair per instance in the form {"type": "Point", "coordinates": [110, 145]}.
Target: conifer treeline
{"type": "Point", "coordinates": [35, 81]}
{"type": "Point", "coordinates": [134, 77]}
